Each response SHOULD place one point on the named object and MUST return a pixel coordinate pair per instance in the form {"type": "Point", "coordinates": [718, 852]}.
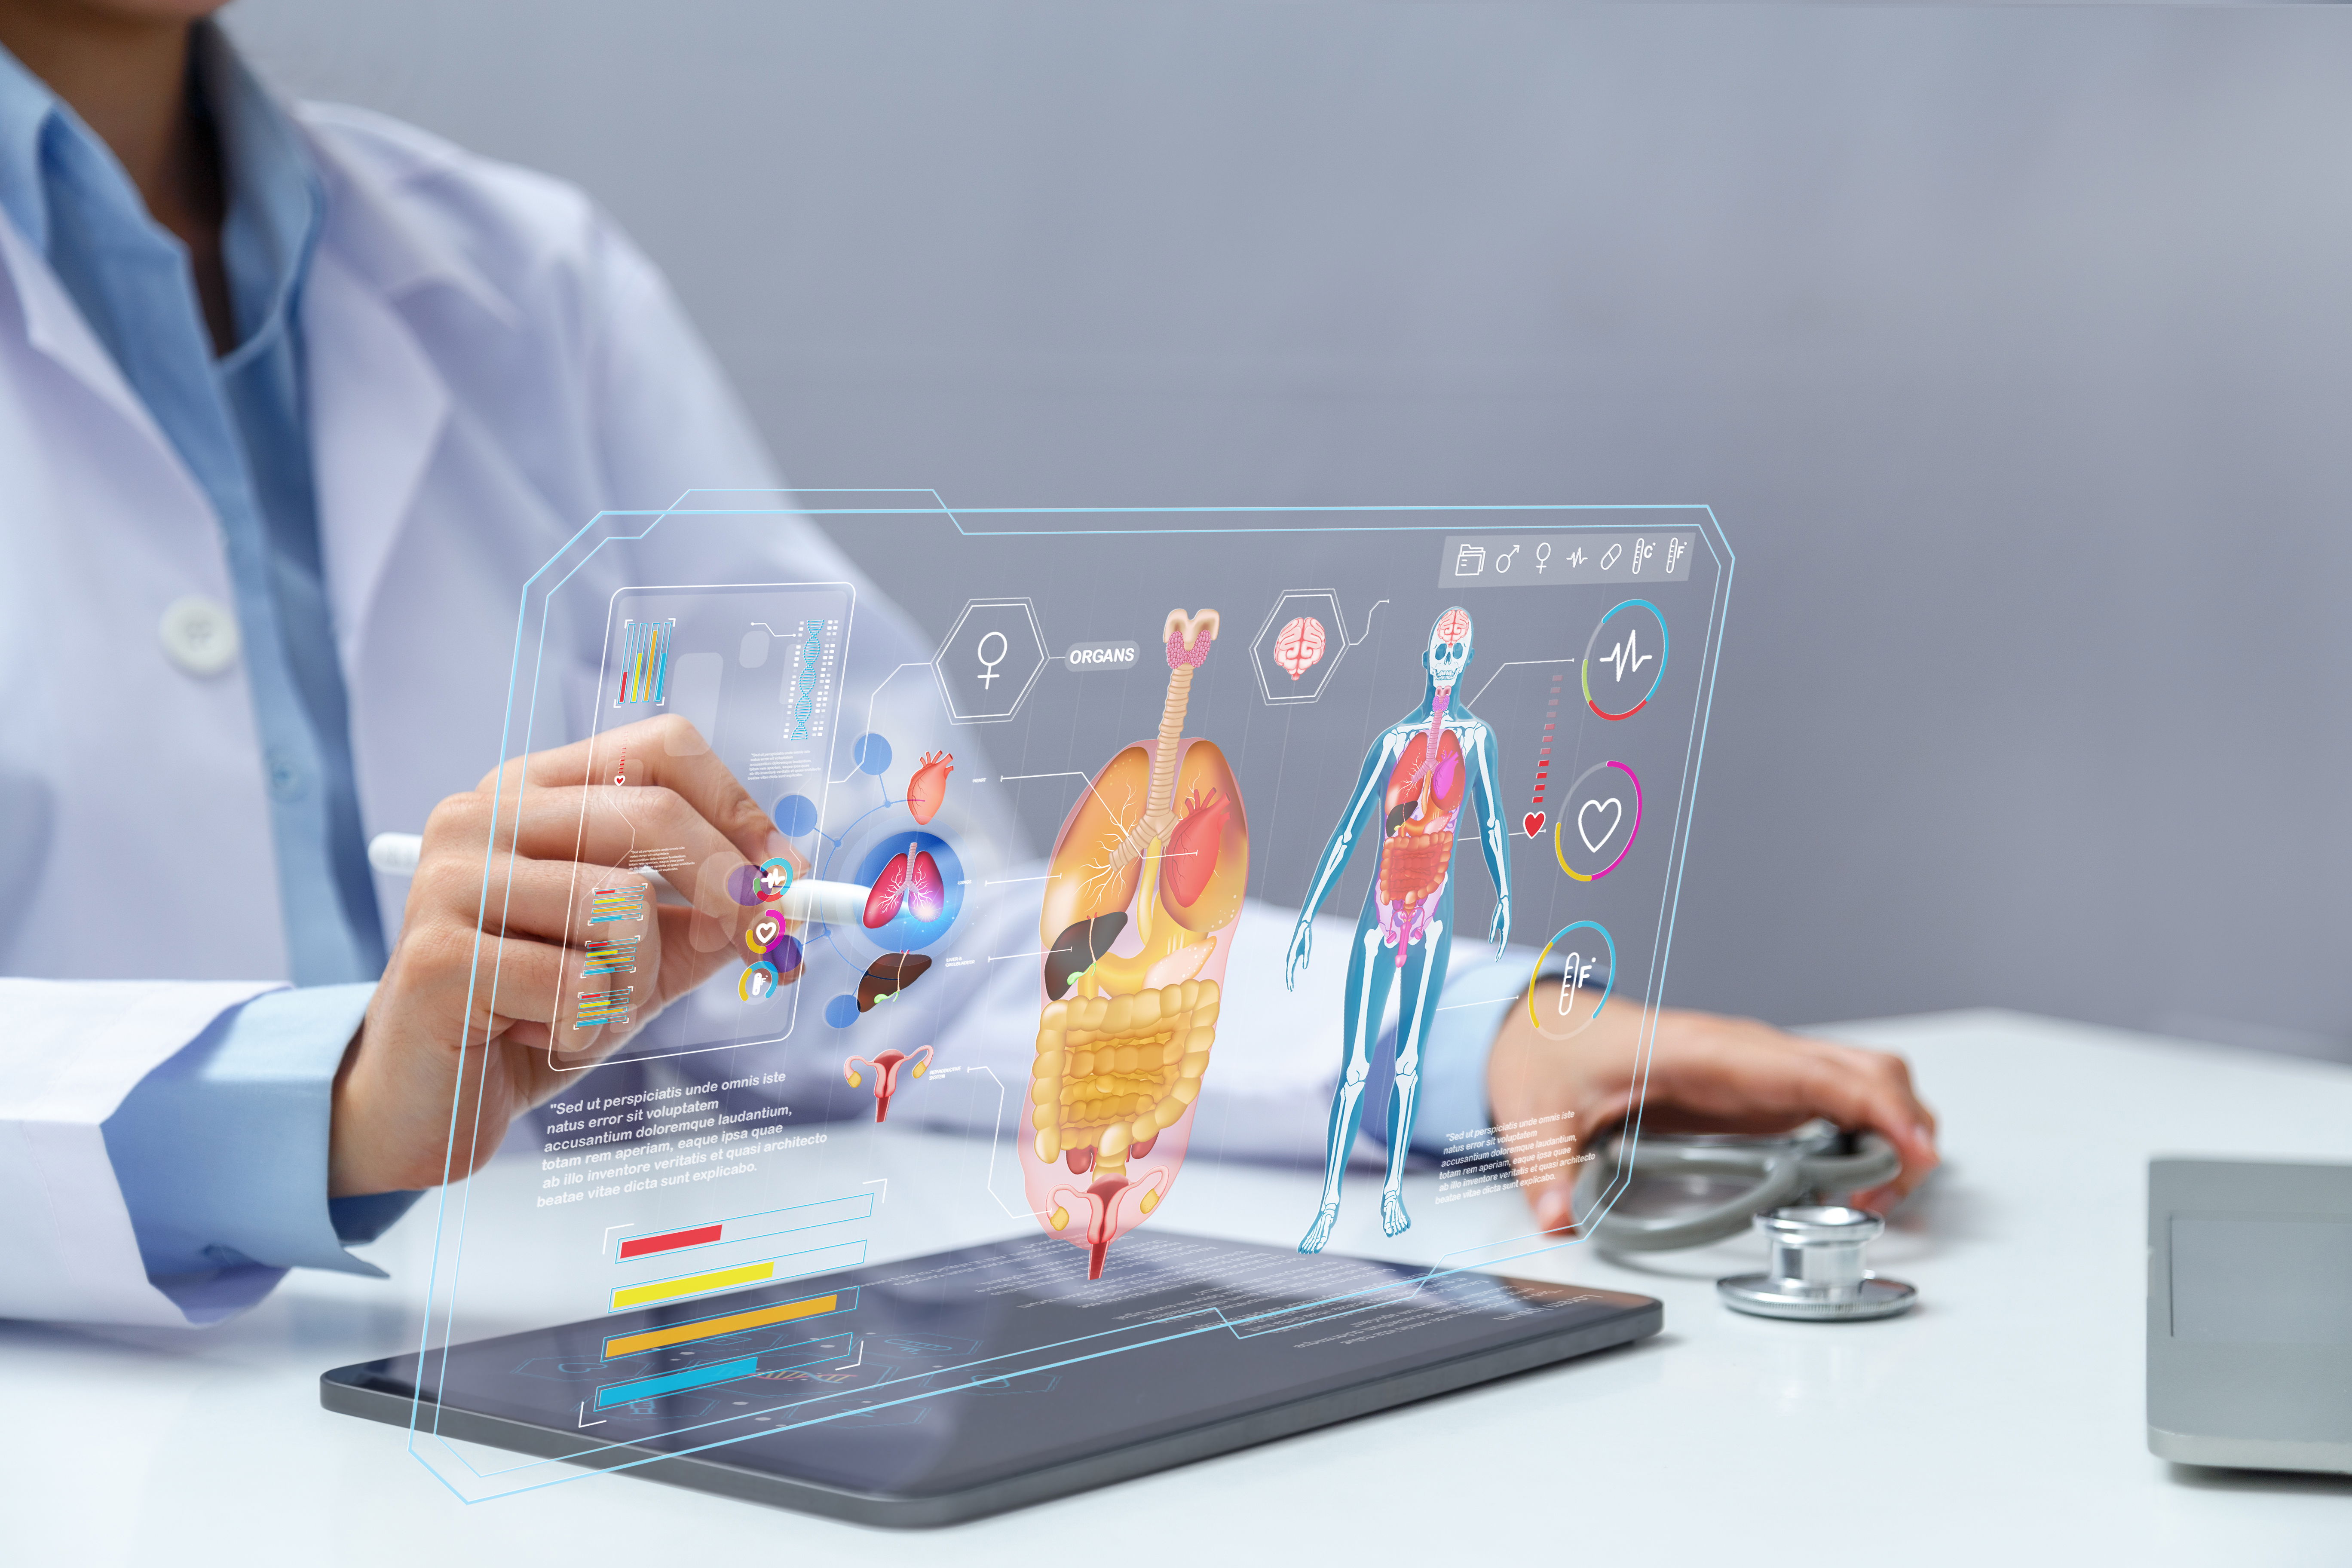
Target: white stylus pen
{"type": "Point", "coordinates": [832, 903]}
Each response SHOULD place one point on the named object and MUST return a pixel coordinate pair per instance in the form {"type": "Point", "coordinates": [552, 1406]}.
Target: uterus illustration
{"type": "Point", "coordinates": [1137, 926]}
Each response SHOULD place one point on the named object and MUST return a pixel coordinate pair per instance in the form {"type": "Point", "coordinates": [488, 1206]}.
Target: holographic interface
{"type": "Point", "coordinates": [1109, 857]}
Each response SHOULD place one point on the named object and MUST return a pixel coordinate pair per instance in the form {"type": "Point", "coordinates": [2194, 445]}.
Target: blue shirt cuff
{"type": "Point", "coordinates": [221, 1152]}
{"type": "Point", "coordinates": [1454, 1071]}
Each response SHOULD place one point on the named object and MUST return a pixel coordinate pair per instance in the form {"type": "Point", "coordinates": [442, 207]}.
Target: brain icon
{"type": "Point", "coordinates": [1298, 645]}
{"type": "Point", "coordinates": [1453, 627]}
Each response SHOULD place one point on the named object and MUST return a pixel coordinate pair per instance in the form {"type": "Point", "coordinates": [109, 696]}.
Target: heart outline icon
{"type": "Point", "coordinates": [1616, 810]}
{"type": "Point", "coordinates": [1533, 823]}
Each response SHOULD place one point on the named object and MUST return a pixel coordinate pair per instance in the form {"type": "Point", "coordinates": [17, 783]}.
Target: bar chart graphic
{"type": "Point", "coordinates": [645, 662]}
{"type": "Point", "coordinates": [711, 1281]}
{"type": "Point", "coordinates": [610, 955]}
{"type": "Point", "coordinates": [748, 1226]}
{"type": "Point", "coordinates": [607, 905]}
{"type": "Point", "coordinates": [696, 1330]}
{"type": "Point", "coordinates": [596, 1007]}
{"type": "Point", "coordinates": [807, 1353]}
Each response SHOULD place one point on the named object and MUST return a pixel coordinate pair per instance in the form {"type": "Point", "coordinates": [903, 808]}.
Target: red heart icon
{"type": "Point", "coordinates": [1534, 821]}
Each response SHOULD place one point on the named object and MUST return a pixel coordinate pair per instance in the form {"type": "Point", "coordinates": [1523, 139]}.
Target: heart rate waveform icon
{"type": "Point", "coordinates": [1605, 828]}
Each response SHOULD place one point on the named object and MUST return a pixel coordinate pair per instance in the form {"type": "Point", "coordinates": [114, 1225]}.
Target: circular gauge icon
{"type": "Point", "coordinates": [757, 982]}
{"type": "Point", "coordinates": [1624, 658]}
{"type": "Point", "coordinates": [1572, 978]}
{"type": "Point", "coordinates": [776, 877]}
{"type": "Point", "coordinates": [765, 934]}
{"type": "Point", "coordinates": [1598, 818]}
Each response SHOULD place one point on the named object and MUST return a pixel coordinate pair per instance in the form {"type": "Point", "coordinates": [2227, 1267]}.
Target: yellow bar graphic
{"type": "Point", "coordinates": [693, 1284]}
{"type": "Point", "coordinates": [711, 1327]}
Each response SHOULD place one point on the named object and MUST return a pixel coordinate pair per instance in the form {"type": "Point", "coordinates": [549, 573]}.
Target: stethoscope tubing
{"type": "Point", "coordinates": [1782, 1169]}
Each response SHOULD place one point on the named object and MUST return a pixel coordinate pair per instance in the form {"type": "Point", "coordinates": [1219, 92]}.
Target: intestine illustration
{"type": "Point", "coordinates": [1137, 924]}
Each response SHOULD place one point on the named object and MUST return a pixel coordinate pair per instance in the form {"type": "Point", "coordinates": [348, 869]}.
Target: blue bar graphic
{"type": "Point", "coordinates": [670, 1383]}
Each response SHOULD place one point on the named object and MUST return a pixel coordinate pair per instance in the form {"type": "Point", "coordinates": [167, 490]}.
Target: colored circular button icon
{"type": "Point", "coordinates": [775, 878]}
{"type": "Point", "coordinates": [1624, 660]}
{"type": "Point", "coordinates": [765, 934]}
{"type": "Point", "coordinates": [1599, 815]}
{"type": "Point", "coordinates": [1581, 962]}
{"type": "Point", "coordinates": [757, 982]}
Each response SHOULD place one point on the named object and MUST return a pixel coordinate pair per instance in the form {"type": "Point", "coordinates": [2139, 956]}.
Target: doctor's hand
{"type": "Point", "coordinates": [1707, 1074]}
{"type": "Point", "coordinates": [566, 821]}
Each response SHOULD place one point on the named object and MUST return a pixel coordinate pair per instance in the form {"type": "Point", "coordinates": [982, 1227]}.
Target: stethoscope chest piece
{"type": "Point", "coordinates": [1816, 1272]}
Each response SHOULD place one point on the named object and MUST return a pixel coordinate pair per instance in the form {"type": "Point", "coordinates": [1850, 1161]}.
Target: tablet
{"type": "Point", "coordinates": [965, 1383]}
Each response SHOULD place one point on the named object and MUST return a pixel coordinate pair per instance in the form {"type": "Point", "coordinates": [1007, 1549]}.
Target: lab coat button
{"type": "Point", "coordinates": [287, 775]}
{"type": "Point", "coordinates": [199, 635]}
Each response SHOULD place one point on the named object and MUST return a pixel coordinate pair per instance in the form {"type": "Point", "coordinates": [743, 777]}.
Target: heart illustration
{"type": "Point", "coordinates": [1611, 808]}
{"type": "Point", "coordinates": [1534, 821]}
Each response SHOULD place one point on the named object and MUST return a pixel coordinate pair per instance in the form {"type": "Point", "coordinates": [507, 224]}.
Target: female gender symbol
{"type": "Point", "coordinates": [988, 665]}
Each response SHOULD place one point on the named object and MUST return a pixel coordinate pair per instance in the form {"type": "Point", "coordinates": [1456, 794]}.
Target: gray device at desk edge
{"type": "Point", "coordinates": [2250, 1314]}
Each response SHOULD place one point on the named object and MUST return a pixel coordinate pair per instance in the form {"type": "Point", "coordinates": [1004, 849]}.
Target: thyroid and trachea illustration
{"type": "Point", "coordinates": [1139, 911]}
{"type": "Point", "coordinates": [1418, 775]}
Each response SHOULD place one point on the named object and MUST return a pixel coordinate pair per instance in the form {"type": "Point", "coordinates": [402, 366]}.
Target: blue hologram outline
{"type": "Point", "coordinates": [1678, 841]}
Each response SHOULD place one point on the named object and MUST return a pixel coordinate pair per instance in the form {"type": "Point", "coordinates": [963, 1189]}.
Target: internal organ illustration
{"type": "Point", "coordinates": [885, 1067]}
{"type": "Point", "coordinates": [1420, 776]}
{"type": "Point", "coordinates": [912, 880]}
{"type": "Point", "coordinates": [888, 976]}
{"type": "Point", "coordinates": [1137, 926]}
{"type": "Point", "coordinates": [928, 788]}
{"type": "Point", "coordinates": [1298, 645]}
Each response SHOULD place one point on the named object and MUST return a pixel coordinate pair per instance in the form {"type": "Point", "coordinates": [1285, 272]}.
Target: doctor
{"type": "Point", "coordinates": [291, 400]}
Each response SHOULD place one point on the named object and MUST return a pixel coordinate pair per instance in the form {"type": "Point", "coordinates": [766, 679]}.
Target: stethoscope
{"type": "Point", "coordinates": [1662, 1192]}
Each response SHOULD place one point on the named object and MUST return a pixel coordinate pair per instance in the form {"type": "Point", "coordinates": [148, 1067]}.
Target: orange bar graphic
{"type": "Point", "coordinates": [711, 1327]}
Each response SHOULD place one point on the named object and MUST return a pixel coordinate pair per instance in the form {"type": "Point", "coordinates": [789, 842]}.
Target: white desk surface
{"type": "Point", "coordinates": [2000, 1420]}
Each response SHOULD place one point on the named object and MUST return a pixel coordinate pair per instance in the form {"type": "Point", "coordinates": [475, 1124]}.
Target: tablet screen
{"type": "Point", "coordinates": [964, 1368]}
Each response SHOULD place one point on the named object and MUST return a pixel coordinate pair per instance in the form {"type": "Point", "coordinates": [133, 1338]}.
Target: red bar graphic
{"type": "Point", "coordinates": [668, 1241]}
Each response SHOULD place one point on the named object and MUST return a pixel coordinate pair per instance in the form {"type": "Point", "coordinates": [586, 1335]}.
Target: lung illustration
{"type": "Point", "coordinates": [1137, 927]}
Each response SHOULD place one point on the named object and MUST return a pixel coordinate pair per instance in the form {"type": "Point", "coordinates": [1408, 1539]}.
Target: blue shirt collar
{"type": "Point", "coordinates": [25, 105]}
{"type": "Point", "coordinates": [275, 200]}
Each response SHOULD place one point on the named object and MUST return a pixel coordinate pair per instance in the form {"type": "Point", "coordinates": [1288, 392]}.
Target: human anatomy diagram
{"type": "Point", "coordinates": [1139, 911]}
{"type": "Point", "coordinates": [1418, 777]}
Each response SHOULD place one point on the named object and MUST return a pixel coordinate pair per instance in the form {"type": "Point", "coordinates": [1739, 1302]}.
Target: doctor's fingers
{"type": "Point", "coordinates": [565, 901]}
{"type": "Point", "coordinates": [596, 827]}
{"type": "Point", "coordinates": [666, 753]}
{"type": "Point", "coordinates": [1856, 1088]}
{"type": "Point", "coordinates": [492, 982]}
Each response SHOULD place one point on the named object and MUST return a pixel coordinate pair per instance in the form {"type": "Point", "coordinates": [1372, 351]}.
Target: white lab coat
{"type": "Point", "coordinates": [491, 364]}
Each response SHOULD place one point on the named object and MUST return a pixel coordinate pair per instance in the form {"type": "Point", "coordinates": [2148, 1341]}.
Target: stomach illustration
{"type": "Point", "coordinates": [1137, 927]}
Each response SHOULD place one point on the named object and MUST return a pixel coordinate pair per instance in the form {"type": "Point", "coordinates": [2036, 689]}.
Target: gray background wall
{"type": "Point", "coordinates": [2010, 344]}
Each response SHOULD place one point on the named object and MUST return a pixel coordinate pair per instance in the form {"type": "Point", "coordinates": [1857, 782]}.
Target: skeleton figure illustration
{"type": "Point", "coordinates": [1418, 777]}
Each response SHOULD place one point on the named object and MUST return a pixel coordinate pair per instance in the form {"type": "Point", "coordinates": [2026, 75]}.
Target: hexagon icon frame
{"type": "Point", "coordinates": [948, 693]}
{"type": "Point", "coordinates": [1294, 603]}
